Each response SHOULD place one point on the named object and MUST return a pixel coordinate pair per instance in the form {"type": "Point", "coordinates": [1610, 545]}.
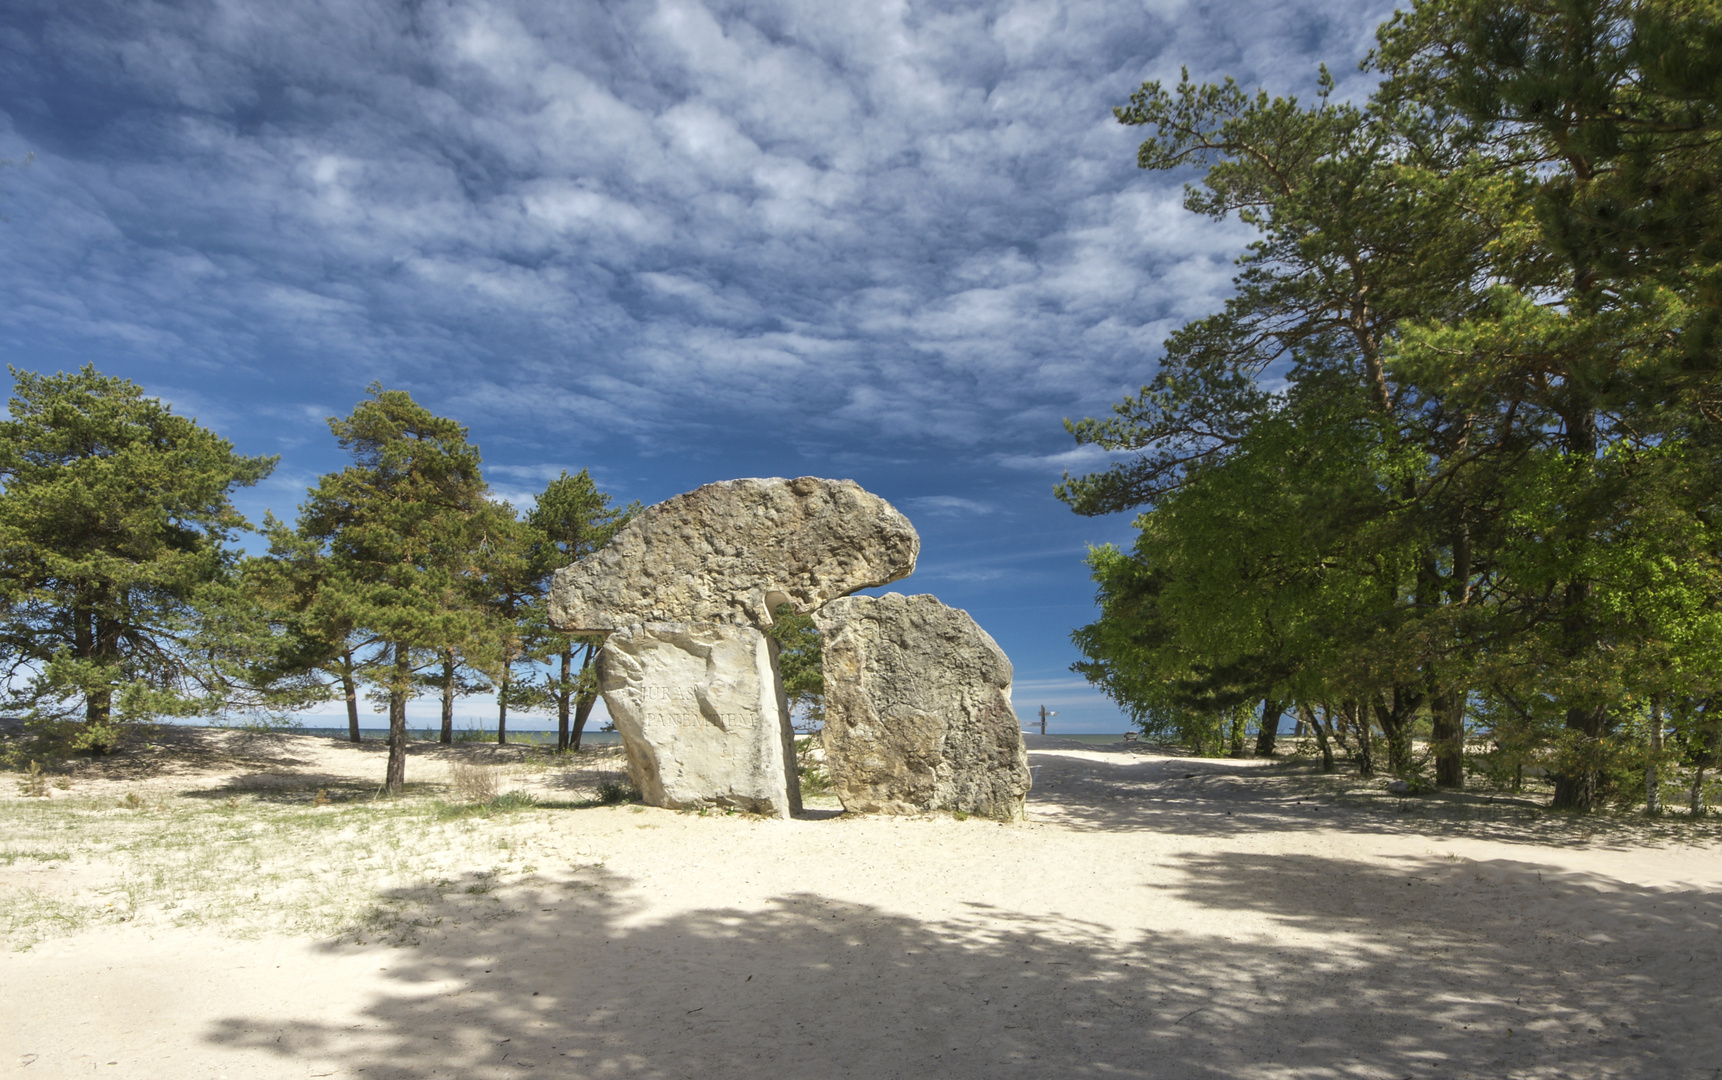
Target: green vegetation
{"type": "Point", "coordinates": [123, 599]}
{"type": "Point", "coordinates": [570, 519]}
{"type": "Point", "coordinates": [119, 597]}
{"type": "Point", "coordinates": [801, 665]}
{"type": "Point", "coordinates": [248, 866]}
{"type": "Point", "coordinates": [1442, 476]}
{"type": "Point", "coordinates": [1441, 481]}
{"type": "Point", "coordinates": [264, 852]}
{"type": "Point", "coordinates": [810, 768]}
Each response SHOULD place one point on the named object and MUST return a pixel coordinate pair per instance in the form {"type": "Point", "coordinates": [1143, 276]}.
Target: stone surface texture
{"type": "Point", "coordinates": [730, 552]}
{"type": "Point", "coordinates": [703, 716]}
{"type": "Point", "coordinates": [917, 710]}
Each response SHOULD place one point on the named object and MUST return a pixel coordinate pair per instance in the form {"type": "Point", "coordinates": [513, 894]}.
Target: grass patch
{"type": "Point", "coordinates": [611, 792]}
{"type": "Point", "coordinates": [473, 783]}
{"type": "Point", "coordinates": [507, 802]}
{"type": "Point", "coordinates": [266, 850]}
{"type": "Point", "coordinates": [250, 865]}
{"type": "Point", "coordinates": [10, 856]}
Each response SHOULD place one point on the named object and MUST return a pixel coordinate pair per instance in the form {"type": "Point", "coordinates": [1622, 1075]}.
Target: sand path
{"type": "Point", "coordinates": [1157, 917]}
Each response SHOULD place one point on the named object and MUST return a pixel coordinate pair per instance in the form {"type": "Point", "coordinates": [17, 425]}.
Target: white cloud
{"type": "Point", "coordinates": [948, 505]}
{"type": "Point", "coordinates": [1079, 459]}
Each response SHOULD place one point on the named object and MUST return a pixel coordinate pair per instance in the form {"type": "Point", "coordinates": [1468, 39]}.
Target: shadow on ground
{"type": "Point", "coordinates": [1362, 972]}
{"type": "Point", "coordinates": [1117, 790]}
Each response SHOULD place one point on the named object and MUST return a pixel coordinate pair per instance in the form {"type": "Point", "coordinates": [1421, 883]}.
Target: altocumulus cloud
{"type": "Point", "coordinates": [907, 218]}
{"type": "Point", "coordinates": [671, 240]}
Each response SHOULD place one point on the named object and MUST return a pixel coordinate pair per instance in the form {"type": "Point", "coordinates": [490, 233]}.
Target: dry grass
{"type": "Point", "coordinates": [249, 846]}
{"type": "Point", "coordinates": [473, 783]}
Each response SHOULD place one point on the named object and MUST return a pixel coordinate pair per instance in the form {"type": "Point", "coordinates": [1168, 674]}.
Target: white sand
{"type": "Point", "coordinates": [1248, 922]}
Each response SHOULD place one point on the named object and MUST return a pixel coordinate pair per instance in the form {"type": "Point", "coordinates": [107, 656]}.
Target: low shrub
{"type": "Point", "coordinates": [473, 783]}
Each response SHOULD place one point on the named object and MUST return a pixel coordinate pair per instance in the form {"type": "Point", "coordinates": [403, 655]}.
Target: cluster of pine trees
{"type": "Point", "coordinates": [123, 596]}
{"type": "Point", "coordinates": [1443, 476]}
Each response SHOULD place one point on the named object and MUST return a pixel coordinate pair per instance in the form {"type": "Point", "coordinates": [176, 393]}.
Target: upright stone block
{"type": "Point", "coordinates": [702, 715]}
{"type": "Point", "coordinates": [917, 710]}
{"type": "Point", "coordinates": [731, 552]}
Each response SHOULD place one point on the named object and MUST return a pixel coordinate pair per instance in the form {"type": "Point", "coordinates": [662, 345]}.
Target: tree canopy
{"type": "Point", "coordinates": [400, 529]}
{"type": "Point", "coordinates": [118, 587]}
{"type": "Point", "coordinates": [1448, 452]}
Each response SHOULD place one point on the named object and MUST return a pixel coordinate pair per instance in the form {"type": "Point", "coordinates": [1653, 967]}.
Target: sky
{"type": "Point", "coordinates": [666, 241]}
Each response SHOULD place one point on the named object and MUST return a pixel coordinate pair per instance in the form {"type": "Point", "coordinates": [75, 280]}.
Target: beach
{"type": "Point", "coordinates": [1156, 916]}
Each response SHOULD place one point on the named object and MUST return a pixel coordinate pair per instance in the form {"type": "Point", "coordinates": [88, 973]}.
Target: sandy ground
{"type": "Point", "coordinates": [1156, 917]}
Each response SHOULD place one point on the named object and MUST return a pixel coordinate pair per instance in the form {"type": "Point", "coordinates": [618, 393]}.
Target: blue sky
{"type": "Point", "coordinates": [670, 242]}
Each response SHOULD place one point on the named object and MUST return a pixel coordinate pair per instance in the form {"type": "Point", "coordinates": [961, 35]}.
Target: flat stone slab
{"type": "Point", "coordinates": [731, 552]}
{"type": "Point", "coordinates": [917, 710]}
{"type": "Point", "coordinates": [703, 716]}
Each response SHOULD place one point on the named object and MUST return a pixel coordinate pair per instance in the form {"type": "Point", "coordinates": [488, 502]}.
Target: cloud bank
{"type": "Point", "coordinates": [905, 220]}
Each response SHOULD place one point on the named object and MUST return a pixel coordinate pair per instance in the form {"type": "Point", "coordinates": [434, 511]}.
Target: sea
{"type": "Point", "coordinates": [379, 734]}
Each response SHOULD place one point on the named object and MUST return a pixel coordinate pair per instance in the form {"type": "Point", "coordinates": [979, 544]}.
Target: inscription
{"type": "Point", "coordinates": [668, 693]}
{"type": "Point", "coordinates": [724, 718]}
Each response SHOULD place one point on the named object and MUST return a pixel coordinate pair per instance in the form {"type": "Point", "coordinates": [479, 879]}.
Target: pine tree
{"type": "Point", "coordinates": [297, 587]}
{"type": "Point", "coordinates": [572, 519]}
{"type": "Point", "coordinates": [399, 529]}
{"type": "Point", "coordinates": [1608, 115]}
{"type": "Point", "coordinates": [1456, 442]}
{"type": "Point", "coordinates": [119, 596]}
{"type": "Point", "coordinates": [511, 589]}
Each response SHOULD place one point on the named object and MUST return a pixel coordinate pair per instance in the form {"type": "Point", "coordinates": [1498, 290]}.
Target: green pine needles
{"type": "Point", "coordinates": [120, 598]}
{"type": "Point", "coordinates": [1445, 471]}
{"type": "Point", "coordinates": [123, 597]}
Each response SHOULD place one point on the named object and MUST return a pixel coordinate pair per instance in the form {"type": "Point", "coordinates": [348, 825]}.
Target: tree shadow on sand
{"type": "Point", "coordinates": [1126, 793]}
{"type": "Point", "coordinates": [1345, 970]}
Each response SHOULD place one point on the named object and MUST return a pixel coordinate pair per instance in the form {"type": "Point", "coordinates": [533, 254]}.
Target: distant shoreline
{"type": "Point", "coordinates": [423, 734]}
{"type": "Point", "coordinates": [539, 735]}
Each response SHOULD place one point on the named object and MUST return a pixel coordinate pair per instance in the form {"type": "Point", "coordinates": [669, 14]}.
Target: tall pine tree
{"type": "Point", "coordinates": [117, 584]}
{"type": "Point", "coordinates": [399, 531]}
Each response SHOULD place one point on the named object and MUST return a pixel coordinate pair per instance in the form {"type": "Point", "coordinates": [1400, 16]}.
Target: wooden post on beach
{"type": "Point", "coordinates": [1043, 715]}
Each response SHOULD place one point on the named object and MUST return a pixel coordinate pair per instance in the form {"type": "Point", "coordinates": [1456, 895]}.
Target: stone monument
{"type": "Point", "coordinates": [917, 710]}
{"type": "Point", "coordinates": [917, 697]}
{"type": "Point", "coordinates": [686, 587]}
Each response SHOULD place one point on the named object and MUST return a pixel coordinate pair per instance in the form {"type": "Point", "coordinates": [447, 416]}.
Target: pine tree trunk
{"type": "Point", "coordinates": [563, 693]}
{"type": "Point", "coordinates": [1578, 785]}
{"type": "Point", "coordinates": [397, 775]}
{"type": "Point", "coordinates": [582, 712]}
{"type": "Point", "coordinates": [1708, 744]}
{"type": "Point", "coordinates": [502, 709]}
{"type": "Point", "coordinates": [83, 647]}
{"type": "Point", "coordinates": [448, 678]}
{"type": "Point", "coordinates": [1270, 729]}
{"type": "Point", "coordinates": [1395, 718]}
{"type": "Point", "coordinates": [1236, 737]}
{"type": "Point", "coordinates": [351, 689]}
{"type": "Point", "coordinates": [1447, 734]}
{"type": "Point", "coordinates": [583, 706]}
{"type": "Point", "coordinates": [1357, 713]}
{"type": "Point", "coordinates": [99, 705]}
{"type": "Point", "coordinates": [1578, 782]}
{"type": "Point", "coordinates": [1307, 719]}
{"type": "Point", "coordinates": [1653, 770]}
